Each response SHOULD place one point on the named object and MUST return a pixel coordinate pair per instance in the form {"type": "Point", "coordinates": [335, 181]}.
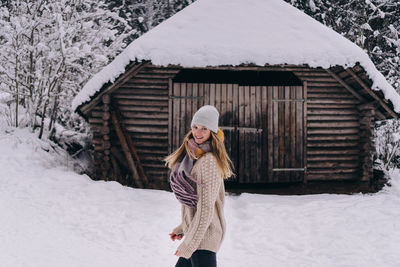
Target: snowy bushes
{"type": "Point", "coordinates": [387, 142]}
{"type": "Point", "coordinates": [76, 142]}
{"type": "Point", "coordinates": [8, 114]}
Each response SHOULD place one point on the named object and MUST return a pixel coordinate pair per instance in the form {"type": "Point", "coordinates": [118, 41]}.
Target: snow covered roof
{"type": "Point", "coordinates": [233, 32]}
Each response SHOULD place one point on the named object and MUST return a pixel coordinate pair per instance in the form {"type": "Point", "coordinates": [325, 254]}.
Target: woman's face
{"type": "Point", "coordinates": [200, 133]}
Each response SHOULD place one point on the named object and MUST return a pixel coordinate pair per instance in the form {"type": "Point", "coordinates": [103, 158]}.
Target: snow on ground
{"type": "Point", "coordinates": [51, 216]}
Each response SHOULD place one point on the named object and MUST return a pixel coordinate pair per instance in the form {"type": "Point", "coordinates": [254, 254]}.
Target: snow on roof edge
{"type": "Point", "coordinates": [112, 71]}
{"type": "Point", "coordinates": [108, 74]}
{"type": "Point", "coordinates": [379, 83]}
{"type": "Point", "coordinates": [188, 39]}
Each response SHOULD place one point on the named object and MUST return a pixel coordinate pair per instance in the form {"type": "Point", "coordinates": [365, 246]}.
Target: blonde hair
{"type": "Point", "coordinates": [217, 148]}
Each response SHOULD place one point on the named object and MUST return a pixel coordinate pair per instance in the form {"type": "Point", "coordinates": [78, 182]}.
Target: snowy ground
{"type": "Point", "coordinates": [51, 216]}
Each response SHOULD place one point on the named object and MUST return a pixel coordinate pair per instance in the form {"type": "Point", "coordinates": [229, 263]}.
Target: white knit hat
{"type": "Point", "coordinates": [207, 116]}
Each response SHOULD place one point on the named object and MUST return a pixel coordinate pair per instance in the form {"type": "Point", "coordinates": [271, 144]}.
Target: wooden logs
{"type": "Point", "coordinates": [106, 99]}
{"type": "Point", "coordinates": [367, 149]}
{"type": "Point", "coordinates": [105, 131]}
{"type": "Point", "coordinates": [132, 71]}
{"type": "Point", "coordinates": [125, 149]}
{"type": "Point", "coordinates": [116, 154]}
{"type": "Point", "coordinates": [129, 149]}
{"type": "Point", "coordinates": [117, 174]}
{"type": "Point", "coordinates": [366, 88]}
{"type": "Point", "coordinates": [354, 93]}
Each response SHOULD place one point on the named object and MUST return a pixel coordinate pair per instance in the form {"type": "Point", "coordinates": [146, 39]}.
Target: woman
{"type": "Point", "coordinates": [198, 167]}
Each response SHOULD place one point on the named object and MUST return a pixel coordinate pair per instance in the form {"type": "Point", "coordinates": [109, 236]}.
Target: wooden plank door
{"type": "Point", "coordinates": [184, 100]}
{"type": "Point", "coordinates": [286, 134]}
{"type": "Point", "coordinates": [264, 126]}
{"type": "Point", "coordinates": [240, 110]}
{"type": "Point", "coordinates": [269, 134]}
{"type": "Point", "coordinates": [248, 132]}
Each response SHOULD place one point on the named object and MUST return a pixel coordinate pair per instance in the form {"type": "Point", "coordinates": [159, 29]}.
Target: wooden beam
{"type": "Point", "coordinates": [131, 146]}
{"type": "Point", "coordinates": [117, 171]}
{"type": "Point", "coordinates": [115, 153]}
{"type": "Point", "coordinates": [345, 85]}
{"type": "Point", "coordinates": [305, 129]}
{"type": "Point", "coordinates": [253, 67]}
{"type": "Point", "coordinates": [85, 108]}
{"type": "Point", "coordinates": [170, 112]}
{"type": "Point", "coordinates": [125, 149]}
{"type": "Point", "coordinates": [352, 91]}
{"type": "Point", "coordinates": [369, 91]}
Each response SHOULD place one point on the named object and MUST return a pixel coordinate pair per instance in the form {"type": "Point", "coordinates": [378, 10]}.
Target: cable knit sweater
{"type": "Point", "coordinates": [203, 227]}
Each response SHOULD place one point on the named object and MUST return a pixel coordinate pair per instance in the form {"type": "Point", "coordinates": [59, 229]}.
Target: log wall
{"type": "Point", "coordinates": [333, 138]}
{"type": "Point", "coordinates": [143, 102]}
{"type": "Point", "coordinates": [333, 128]}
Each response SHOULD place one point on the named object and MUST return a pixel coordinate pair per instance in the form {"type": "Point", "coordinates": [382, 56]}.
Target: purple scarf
{"type": "Point", "coordinates": [180, 177]}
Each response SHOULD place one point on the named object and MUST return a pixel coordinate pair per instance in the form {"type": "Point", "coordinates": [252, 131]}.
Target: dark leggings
{"type": "Point", "coordinates": [200, 258]}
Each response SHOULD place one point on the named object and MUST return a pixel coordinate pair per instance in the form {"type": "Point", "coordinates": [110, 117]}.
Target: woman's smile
{"type": "Point", "coordinates": [200, 133]}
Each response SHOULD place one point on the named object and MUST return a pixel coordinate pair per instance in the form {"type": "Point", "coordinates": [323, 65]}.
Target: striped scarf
{"type": "Point", "coordinates": [180, 176]}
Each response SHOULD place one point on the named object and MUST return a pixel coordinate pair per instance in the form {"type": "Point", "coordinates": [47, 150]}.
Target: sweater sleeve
{"type": "Point", "coordinates": [210, 180]}
{"type": "Point", "coordinates": [178, 230]}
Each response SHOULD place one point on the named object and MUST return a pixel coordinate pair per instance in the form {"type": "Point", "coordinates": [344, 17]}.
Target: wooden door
{"type": "Point", "coordinates": [286, 134]}
{"type": "Point", "coordinates": [263, 125]}
{"type": "Point", "coordinates": [184, 100]}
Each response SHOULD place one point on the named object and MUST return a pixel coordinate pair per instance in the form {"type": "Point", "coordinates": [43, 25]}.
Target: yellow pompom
{"type": "Point", "coordinates": [199, 152]}
{"type": "Point", "coordinates": [220, 135]}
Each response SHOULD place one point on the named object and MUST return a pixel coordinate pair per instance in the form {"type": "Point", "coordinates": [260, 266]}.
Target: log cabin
{"type": "Point", "coordinates": [297, 101]}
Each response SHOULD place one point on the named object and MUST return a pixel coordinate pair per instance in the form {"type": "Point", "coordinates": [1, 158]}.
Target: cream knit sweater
{"type": "Point", "coordinates": [203, 227]}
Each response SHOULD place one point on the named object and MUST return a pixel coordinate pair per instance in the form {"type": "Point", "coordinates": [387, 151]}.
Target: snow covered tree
{"type": "Point", "coordinates": [344, 16]}
{"type": "Point", "coordinates": [143, 15]}
{"type": "Point", "coordinates": [383, 38]}
{"type": "Point", "coordinates": [374, 25]}
{"type": "Point", "coordinates": [50, 49]}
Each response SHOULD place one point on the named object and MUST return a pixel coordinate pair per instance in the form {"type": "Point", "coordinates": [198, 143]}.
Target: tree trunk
{"type": "Point", "coordinates": [17, 92]}
{"type": "Point", "coordinates": [53, 114]}
{"type": "Point", "coordinates": [42, 121]}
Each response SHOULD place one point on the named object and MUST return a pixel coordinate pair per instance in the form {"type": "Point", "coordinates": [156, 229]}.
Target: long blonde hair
{"type": "Point", "coordinates": [217, 148]}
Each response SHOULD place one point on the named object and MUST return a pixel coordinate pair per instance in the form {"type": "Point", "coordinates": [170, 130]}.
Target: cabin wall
{"type": "Point", "coordinates": [334, 136]}
{"type": "Point", "coordinates": [143, 103]}
{"type": "Point", "coordinates": [333, 128]}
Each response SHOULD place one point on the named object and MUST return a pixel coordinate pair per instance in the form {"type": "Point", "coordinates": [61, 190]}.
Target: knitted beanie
{"type": "Point", "coordinates": [207, 116]}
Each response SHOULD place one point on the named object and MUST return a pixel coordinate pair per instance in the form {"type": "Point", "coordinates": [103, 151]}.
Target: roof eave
{"type": "Point", "coordinates": [131, 70]}
{"type": "Point", "coordinates": [359, 78]}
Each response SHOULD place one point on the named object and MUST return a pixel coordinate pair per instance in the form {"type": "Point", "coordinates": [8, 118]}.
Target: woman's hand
{"type": "Point", "coordinates": [177, 253]}
{"type": "Point", "coordinates": [174, 236]}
